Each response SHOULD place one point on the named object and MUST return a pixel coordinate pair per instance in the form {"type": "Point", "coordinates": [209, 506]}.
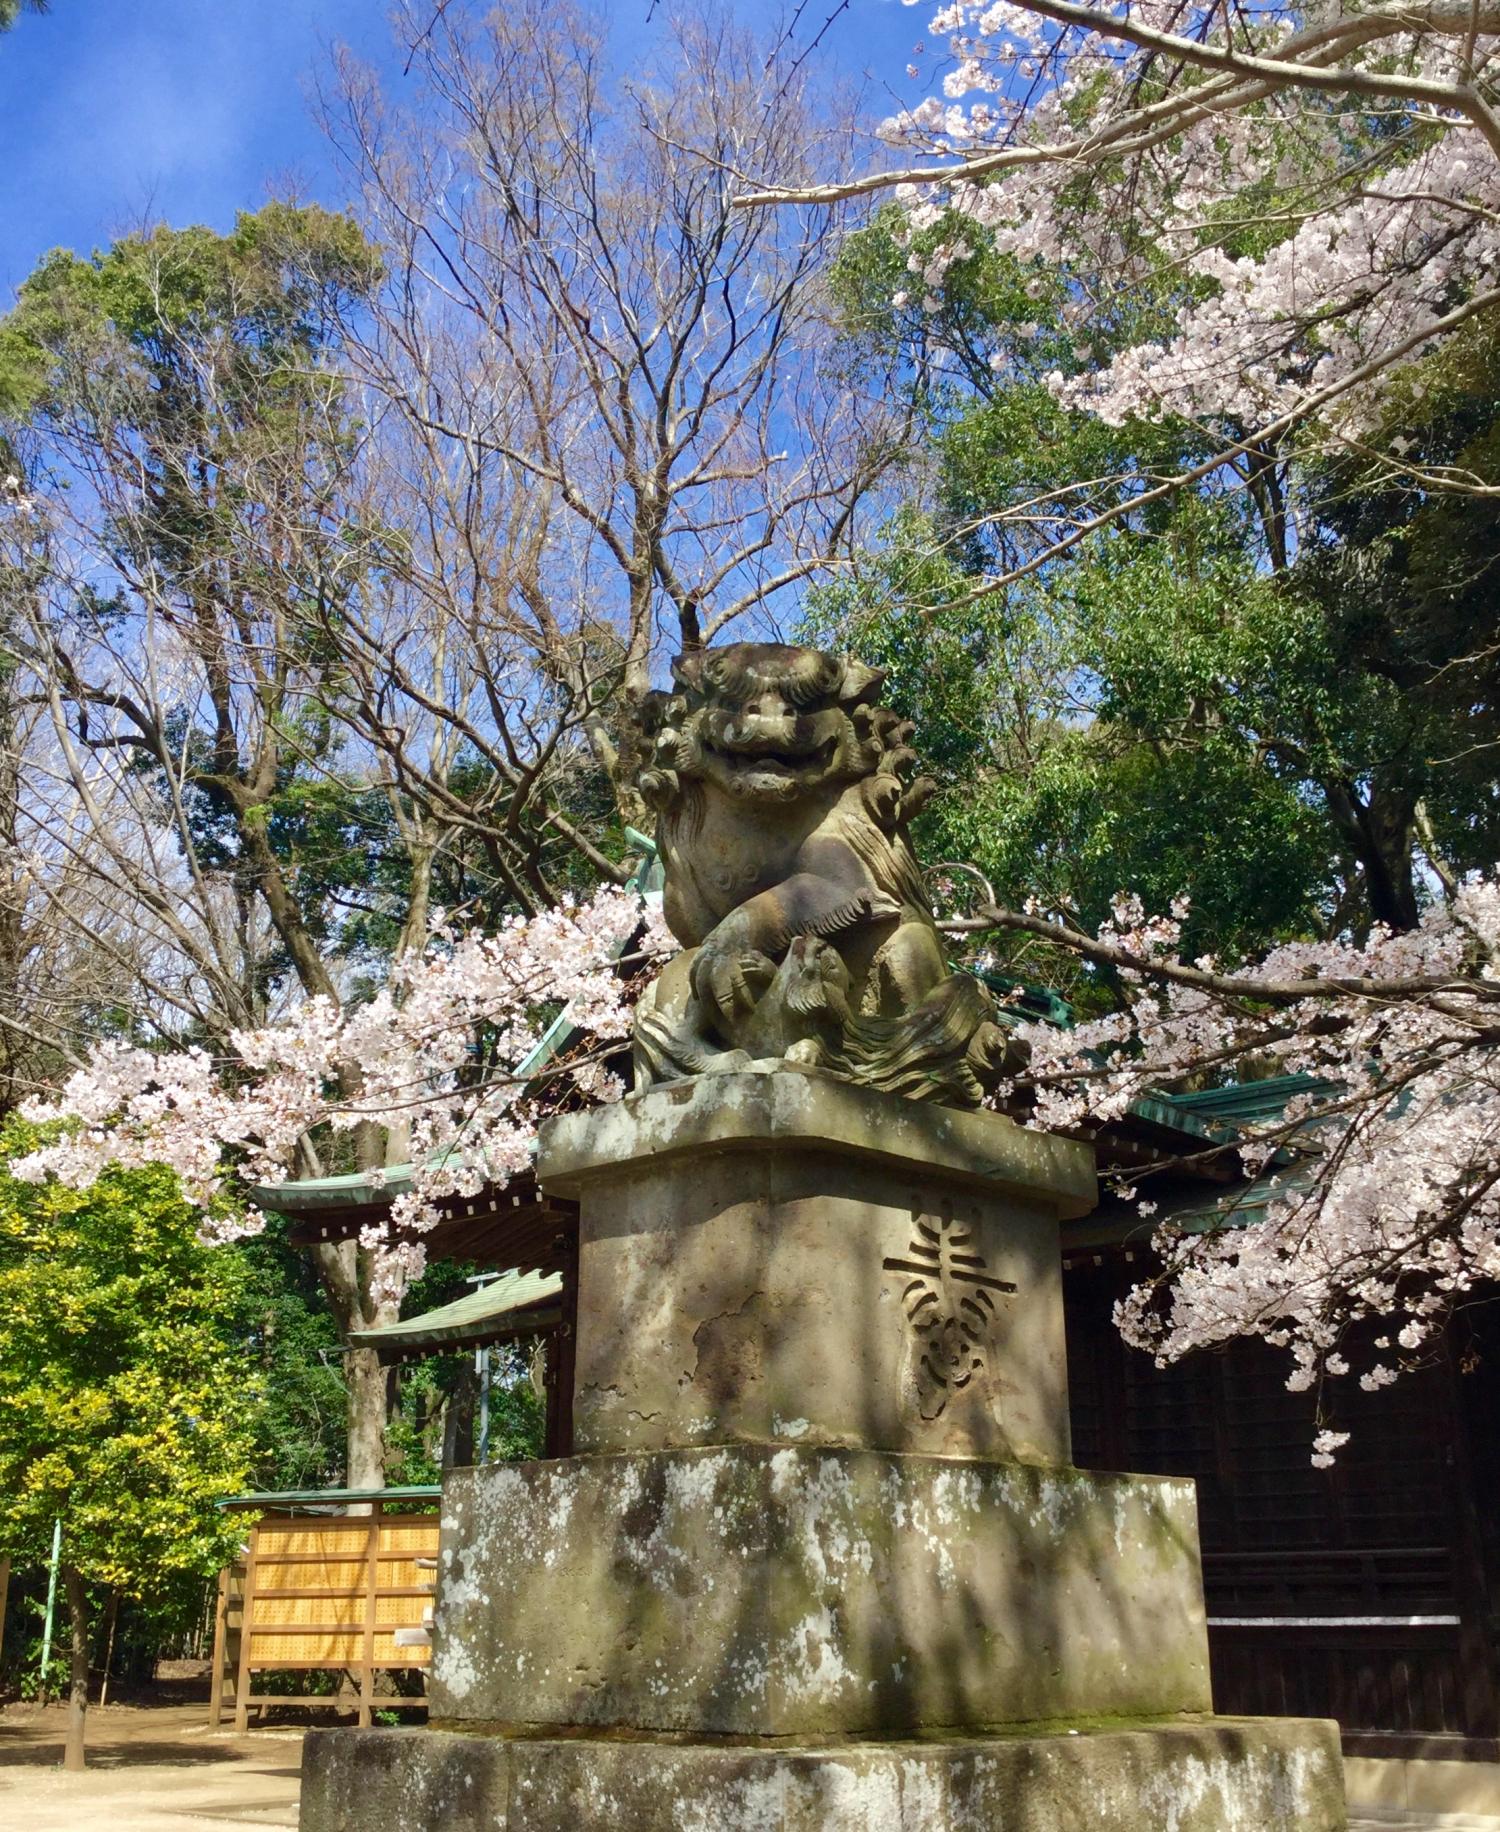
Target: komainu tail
{"type": "Point", "coordinates": [948, 1049]}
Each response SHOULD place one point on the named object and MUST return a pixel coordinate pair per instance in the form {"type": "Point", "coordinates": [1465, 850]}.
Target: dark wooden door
{"type": "Point", "coordinates": [1362, 1592]}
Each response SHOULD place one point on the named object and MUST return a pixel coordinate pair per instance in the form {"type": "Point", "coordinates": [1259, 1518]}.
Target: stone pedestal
{"type": "Point", "coordinates": [823, 1562]}
{"type": "Point", "coordinates": [756, 1591]}
{"type": "Point", "coordinates": [786, 1259]}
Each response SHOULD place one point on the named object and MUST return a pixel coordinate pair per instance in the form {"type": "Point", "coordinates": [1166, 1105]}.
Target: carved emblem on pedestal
{"type": "Point", "coordinates": [949, 1300]}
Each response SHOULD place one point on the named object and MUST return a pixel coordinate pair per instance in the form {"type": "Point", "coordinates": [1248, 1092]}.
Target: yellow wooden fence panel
{"type": "Point", "coordinates": [356, 1582]}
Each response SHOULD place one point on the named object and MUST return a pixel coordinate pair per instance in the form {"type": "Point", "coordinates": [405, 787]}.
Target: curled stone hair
{"type": "Point", "coordinates": [802, 677]}
{"type": "Point", "coordinates": [732, 677]}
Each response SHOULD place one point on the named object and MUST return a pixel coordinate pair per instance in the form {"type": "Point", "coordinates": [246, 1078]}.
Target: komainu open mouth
{"type": "Point", "coordinates": [755, 757]}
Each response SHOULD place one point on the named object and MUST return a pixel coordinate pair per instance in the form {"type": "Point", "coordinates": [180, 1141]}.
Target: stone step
{"type": "Point", "coordinates": [1270, 1774]}
{"type": "Point", "coordinates": [1373, 1819]}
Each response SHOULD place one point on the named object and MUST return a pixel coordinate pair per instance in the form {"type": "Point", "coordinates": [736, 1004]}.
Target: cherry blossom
{"type": "Point", "coordinates": [1322, 185]}
{"type": "Point", "coordinates": [1310, 196]}
{"type": "Point", "coordinates": [1380, 1185]}
{"type": "Point", "coordinates": [1377, 1192]}
{"type": "Point", "coordinates": [443, 1058]}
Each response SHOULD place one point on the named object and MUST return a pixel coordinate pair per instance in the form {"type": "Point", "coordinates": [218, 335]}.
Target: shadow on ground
{"type": "Point", "coordinates": [150, 1769]}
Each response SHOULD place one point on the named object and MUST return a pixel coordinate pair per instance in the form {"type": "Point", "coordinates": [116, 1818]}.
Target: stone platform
{"type": "Point", "coordinates": [781, 1590]}
{"type": "Point", "coordinates": [1224, 1775]}
{"type": "Point", "coordinates": [823, 1562]}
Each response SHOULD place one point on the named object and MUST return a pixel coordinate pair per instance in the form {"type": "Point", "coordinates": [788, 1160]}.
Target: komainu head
{"type": "Point", "coordinates": [772, 722]}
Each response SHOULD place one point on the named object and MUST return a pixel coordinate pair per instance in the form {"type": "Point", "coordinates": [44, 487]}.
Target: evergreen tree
{"type": "Point", "coordinates": [129, 1402]}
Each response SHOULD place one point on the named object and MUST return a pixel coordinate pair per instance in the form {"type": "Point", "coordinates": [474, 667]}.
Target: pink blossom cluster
{"type": "Point", "coordinates": [1319, 239]}
{"type": "Point", "coordinates": [442, 1058]}
{"type": "Point", "coordinates": [1381, 1189]}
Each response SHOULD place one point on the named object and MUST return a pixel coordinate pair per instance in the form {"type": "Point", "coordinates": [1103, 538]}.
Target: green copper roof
{"type": "Point", "coordinates": [1243, 1207]}
{"type": "Point", "coordinates": [1022, 1001]}
{"type": "Point", "coordinates": [514, 1304]}
{"type": "Point", "coordinates": [1248, 1100]}
{"type": "Point", "coordinates": [358, 1188]}
{"type": "Point", "coordinates": [269, 1500]}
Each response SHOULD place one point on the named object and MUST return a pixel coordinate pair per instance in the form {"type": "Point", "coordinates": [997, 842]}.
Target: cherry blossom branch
{"type": "Point", "coordinates": [1375, 1187]}
{"type": "Point", "coordinates": [1282, 72]}
{"type": "Point", "coordinates": [1166, 487]}
{"type": "Point", "coordinates": [1200, 979]}
{"type": "Point", "coordinates": [1337, 35]}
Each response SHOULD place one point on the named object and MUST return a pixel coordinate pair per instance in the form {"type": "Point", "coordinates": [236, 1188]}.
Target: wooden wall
{"type": "Point", "coordinates": [1366, 1592]}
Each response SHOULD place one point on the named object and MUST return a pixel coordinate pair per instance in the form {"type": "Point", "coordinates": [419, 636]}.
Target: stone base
{"type": "Point", "coordinates": [785, 1258]}
{"type": "Point", "coordinates": [1219, 1775]}
{"type": "Point", "coordinates": [801, 1592]}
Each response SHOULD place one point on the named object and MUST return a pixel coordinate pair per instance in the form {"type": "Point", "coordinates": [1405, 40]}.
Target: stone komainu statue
{"type": "Point", "coordinates": [779, 784]}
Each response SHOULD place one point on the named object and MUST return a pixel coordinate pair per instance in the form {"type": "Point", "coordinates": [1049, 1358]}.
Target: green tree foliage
{"type": "Point", "coordinates": [517, 1415]}
{"type": "Point", "coordinates": [1406, 576]}
{"type": "Point", "coordinates": [1193, 699]}
{"type": "Point", "coordinates": [435, 1411]}
{"type": "Point", "coordinates": [1082, 739]}
{"type": "Point", "coordinates": [290, 1332]}
{"type": "Point", "coordinates": [197, 332]}
{"type": "Point", "coordinates": [127, 1405]}
{"type": "Point", "coordinates": [171, 400]}
{"type": "Point", "coordinates": [422, 1424]}
{"type": "Point", "coordinates": [11, 11]}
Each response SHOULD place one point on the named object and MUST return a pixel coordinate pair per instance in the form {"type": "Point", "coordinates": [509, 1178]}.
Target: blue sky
{"type": "Point", "coordinates": [186, 110]}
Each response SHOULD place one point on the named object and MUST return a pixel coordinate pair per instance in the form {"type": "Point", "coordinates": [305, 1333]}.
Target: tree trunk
{"type": "Point", "coordinates": [1379, 829]}
{"type": "Point", "coordinates": [78, 1690]}
{"type": "Point", "coordinates": [458, 1419]}
{"type": "Point", "coordinates": [367, 1406]}
{"type": "Point", "coordinates": [340, 1267]}
{"type": "Point", "coordinates": [1447, 876]}
{"type": "Point", "coordinates": [109, 1645]}
{"type": "Point", "coordinates": [286, 918]}
{"type": "Point", "coordinates": [343, 1270]}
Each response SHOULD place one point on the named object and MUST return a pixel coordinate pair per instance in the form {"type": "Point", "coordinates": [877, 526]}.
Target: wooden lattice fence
{"type": "Point", "coordinates": [349, 1591]}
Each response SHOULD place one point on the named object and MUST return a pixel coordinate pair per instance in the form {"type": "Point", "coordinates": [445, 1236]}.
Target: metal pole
{"type": "Point", "coordinates": [51, 1607]}
{"type": "Point", "coordinates": [482, 1448]}
{"type": "Point", "coordinates": [482, 1369]}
